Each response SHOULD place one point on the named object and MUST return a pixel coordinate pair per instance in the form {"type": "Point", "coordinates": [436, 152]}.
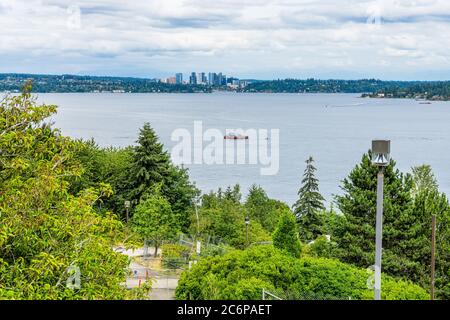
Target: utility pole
{"type": "Point", "coordinates": [198, 220]}
{"type": "Point", "coordinates": [127, 208]}
{"type": "Point", "coordinates": [247, 222]}
{"type": "Point", "coordinates": [381, 150]}
{"type": "Point", "coordinates": [379, 233]}
{"type": "Point", "coordinates": [433, 254]}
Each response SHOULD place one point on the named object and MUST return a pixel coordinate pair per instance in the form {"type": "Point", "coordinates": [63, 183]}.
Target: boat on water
{"type": "Point", "coordinates": [425, 102]}
{"type": "Point", "coordinates": [232, 136]}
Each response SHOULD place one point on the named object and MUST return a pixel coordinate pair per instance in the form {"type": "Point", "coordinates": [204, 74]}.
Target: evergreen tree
{"type": "Point", "coordinates": [308, 207]}
{"type": "Point", "coordinates": [285, 236]}
{"type": "Point", "coordinates": [150, 163]}
{"type": "Point", "coordinates": [406, 225]}
{"type": "Point", "coordinates": [234, 194]}
{"type": "Point", "coordinates": [356, 235]}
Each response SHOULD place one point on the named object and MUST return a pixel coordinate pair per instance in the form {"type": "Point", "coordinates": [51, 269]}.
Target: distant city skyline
{"type": "Point", "coordinates": [260, 39]}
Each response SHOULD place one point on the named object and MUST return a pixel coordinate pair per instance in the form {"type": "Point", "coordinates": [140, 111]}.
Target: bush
{"type": "Point", "coordinates": [285, 236]}
{"type": "Point", "coordinates": [243, 274]}
{"type": "Point", "coordinates": [321, 247]}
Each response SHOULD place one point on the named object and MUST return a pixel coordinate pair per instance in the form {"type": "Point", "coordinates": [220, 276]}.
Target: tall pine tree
{"type": "Point", "coordinates": [150, 163]}
{"type": "Point", "coordinates": [356, 236]}
{"type": "Point", "coordinates": [308, 207]}
{"type": "Point", "coordinates": [406, 224]}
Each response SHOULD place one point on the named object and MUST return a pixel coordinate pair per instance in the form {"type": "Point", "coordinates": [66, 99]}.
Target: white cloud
{"type": "Point", "coordinates": [265, 38]}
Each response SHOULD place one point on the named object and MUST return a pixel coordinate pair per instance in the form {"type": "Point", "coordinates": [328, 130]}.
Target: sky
{"type": "Point", "coordinates": [257, 39]}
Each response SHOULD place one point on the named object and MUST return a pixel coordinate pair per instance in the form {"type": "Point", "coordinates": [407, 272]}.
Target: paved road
{"type": "Point", "coordinates": [163, 287]}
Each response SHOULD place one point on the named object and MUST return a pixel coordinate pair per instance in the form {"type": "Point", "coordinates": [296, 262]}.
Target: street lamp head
{"type": "Point", "coordinates": [127, 204]}
{"type": "Point", "coordinates": [247, 220]}
{"type": "Point", "coordinates": [381, 150]}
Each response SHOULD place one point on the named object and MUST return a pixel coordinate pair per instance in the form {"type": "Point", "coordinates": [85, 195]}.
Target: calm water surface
{"type": "Point", "coordinates": [336, 129]}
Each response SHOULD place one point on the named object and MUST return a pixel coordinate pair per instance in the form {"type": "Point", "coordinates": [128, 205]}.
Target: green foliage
{"type": "Point", "coordinates": [309, 205]}
{"type": "Point", "coordinates": [263, 209]}
{"type": "Point", "coordinates": [221, 218]}
{"type": "Point", "coordinates": [321, 247]}
{"type": "Point", "coordinates": [285, 236]}
{"type": "Point", "coordinates": [154, 220]}
{"type": "Point", "coordinates": [132, 172]}
{"type": "Point", "coordinates": [423, 179]}
{"type": "Point", "coordinates": [356, 236]}
{"type": "Point", "coordinates": [74, 83]}
{"type": "Point", "coordinates": [151, 165]}
{"type": "Point", "coordinates": [243, 275]}
{"type": "Point", "coordinates": [103, 165]}
{"type": "Point", "coordinates": [426, 204]}
{"type": "Point", "coordinates": [406, 224]}
{"type": "Point", "coordinates": [45, 230]}
{"type": "Point", "coordinates": [174, 255]}
{"type": "Point", "coordinates": [433, 90]}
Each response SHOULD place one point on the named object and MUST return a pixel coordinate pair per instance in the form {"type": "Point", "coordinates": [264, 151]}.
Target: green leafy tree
{"type": "Point", "coordinates": [309, 205]}
{"type": "Point", "coordinates": [180, 193]}
{"type": "Point", "coordinates": [427, 203]}
{"type": "Point", "coordinates": [322, 247]}
{"type": "Point", "coordinates": [221, 218]}
{"type": "Point", "coordinates": [263, 209]}
{"type": "Point", "coordinates": [48, 234]}
{"type": "Point", "coordinates": [154, 220]}
{"type": "Point", "coordinates": [424, 179]}
{"type": "Point", "coordinates": [103, 165]}
{"type": "Point", "coordinates": [285, 236]}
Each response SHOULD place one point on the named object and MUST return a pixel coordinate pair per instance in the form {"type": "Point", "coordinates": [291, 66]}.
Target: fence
{"type": "Point", "coordinates": [278, 294]}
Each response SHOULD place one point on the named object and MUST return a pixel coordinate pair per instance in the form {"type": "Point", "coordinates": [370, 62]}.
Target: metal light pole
{"type": "Point", "coordinates": [433, 254]}
{"type": "Point", "coordinates": [127, 205]}
{"type": "Point", "coordinates": [247, 222]}
{"type": "Point", "coordinates": [380, 158]}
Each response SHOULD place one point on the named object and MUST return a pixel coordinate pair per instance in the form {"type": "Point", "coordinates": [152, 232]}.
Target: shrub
{"type": "Point", "coordinates": [243, 274]}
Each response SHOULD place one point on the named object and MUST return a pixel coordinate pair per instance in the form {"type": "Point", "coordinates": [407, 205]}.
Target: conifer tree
{"type": "Point", "coordinates": [308, 207]}
{"type": "Point", "coordinates": [150, 163]}
{"type": "Point", "coordinates": [406, 225]}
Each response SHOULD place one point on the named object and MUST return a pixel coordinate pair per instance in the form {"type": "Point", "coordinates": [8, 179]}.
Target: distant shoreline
{"type": "Point", "coordinates": [373, 88]}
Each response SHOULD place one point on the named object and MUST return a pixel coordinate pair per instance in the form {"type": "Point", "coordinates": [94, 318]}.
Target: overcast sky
{"type": "Point", "coordinates": [265, 39]}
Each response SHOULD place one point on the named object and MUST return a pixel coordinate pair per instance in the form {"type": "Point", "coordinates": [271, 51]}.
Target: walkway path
{"type": "Point", "coordinates": [164, 285]}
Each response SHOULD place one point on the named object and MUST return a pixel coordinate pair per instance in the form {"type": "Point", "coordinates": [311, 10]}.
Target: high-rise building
{"type": "Point", "coordinates": [211, 78]}
{"type": "Point", "coordinates": [179, 78]}
{"type": "Point", "coordinates": [193, 78]}
{"type": "Point", "coordinates": [201, 78]}
{"type": "Point", "coordinates": [221, 80]}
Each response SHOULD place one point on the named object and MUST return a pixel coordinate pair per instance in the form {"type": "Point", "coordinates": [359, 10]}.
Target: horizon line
{"type": "Point", "coordinates": [246, 78]}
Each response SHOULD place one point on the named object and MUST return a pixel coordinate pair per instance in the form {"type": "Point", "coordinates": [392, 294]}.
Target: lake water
{"type": "Point", "coordinates": [336, 129]}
